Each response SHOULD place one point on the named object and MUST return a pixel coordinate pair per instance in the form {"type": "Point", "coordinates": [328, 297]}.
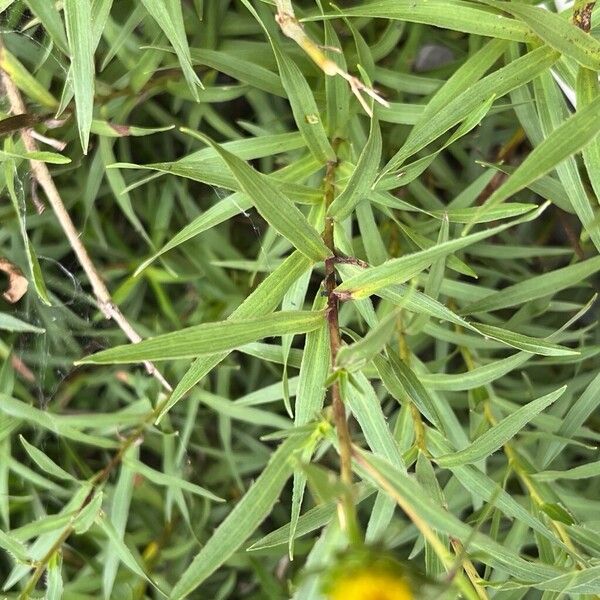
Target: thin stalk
{"type": "Point", "coordinates": [347, 511]}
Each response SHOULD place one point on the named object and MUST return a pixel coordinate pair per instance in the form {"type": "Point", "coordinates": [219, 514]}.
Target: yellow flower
{"type": "Point", "coordinates": [370, 584]}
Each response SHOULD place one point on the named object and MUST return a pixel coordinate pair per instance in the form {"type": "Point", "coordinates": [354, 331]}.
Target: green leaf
{"type": "Point", "coordinates": [356, 355]}
{"type": "Point", "coordinates": [278, 210]}
{"type": "Point", "coordinates": [449, 14]}
{"type": "Point", "coordinates": [220, 212]}
{"type": "Point", "coordinates": [310, 395]}
{"type": "Point", "coordinates": [49, 16]}
{"type": "Point", "coordinates": [559, 33]}
{"type": "Point", "coordinates": [312, 520]}
{"type": "Point", "coordinates": [119, 515]}
{"type": "Point", "coordinates": [242, 521]}
{"type": "Point", "coordinates": [466, 215]}
{"type": "Point", "coordinates": [476, 377]}
{"type": "Point", "coordinates": [495, 437]}
{"type": "Point", "coordinates": [120, 548]}
{"type": "Point", "coordinates": [166, 480]}
{"type": "Point", "coordinates": [588, 89]}
{"type": "Point", "coordinates": [13, 547]}
{"type": "Point", "coordinates": [18, 202]}
{"type": "Point", "coordinates": [26, 82]}
{"type": "Point", "coordinates": [54, 581]}
{"type": "Point", "coordinates": [10, 323]}
{"type": "Point", "coordinates": [557, 513]}
{"type": "Point", "coordinates": [114, 130]}
{"type": "Point", "coordinates": [567, 139]}
{"type": "Point", "coordinates": [362, 178]}
{"type": "Point", "coordinates": [366, 407]}
{"type": "Point", "coordinates": [209, 338]}
{"type": "Point", "coordinates": [304, 108]}
{"type": "Point", "coordinates": [52, 422]}
{"type": "Point", "coordinates": [45, 462]}
{"type": "Point", "coordinates": [585, 471]}
{"type": "Point", "coordinates": [401, 269]}
{"type": "Point", "coordinates": [169, 17]}
{"type": "Point", "coordinates": [117, 185]}
{"type": "Point", "coordinates": [524, 342]}
{"type": "Point", "coordinates": [261, 302]}
{"type": "Point", "coordinates": [553, 112]}
{"type": "Point", "coordinates": [87, 516]}
{"type": "Point", "coordinates": [239, 68]}
{"type": "Point", "coordinates": [536, 287]}
{"type": "Point", "coordinates": [78, 17]}
{"type": "Point", "coordinates": [459, 106]}
{"type": "Point", "coordinates": [574, 418]}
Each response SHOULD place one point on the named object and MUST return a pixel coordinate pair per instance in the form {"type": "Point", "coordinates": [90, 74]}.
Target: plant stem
{"type": "Point", "coordinates": [348, 518]}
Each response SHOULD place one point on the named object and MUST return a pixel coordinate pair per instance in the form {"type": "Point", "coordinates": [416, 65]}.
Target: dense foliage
{"type": "Point", "coordinates": [360, 245]}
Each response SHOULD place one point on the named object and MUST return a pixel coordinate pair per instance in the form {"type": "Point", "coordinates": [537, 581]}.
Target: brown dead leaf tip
{"type": "Point", "coordinates": [17, 282]}
{"type": "Point", "coordinates": [582, 17]}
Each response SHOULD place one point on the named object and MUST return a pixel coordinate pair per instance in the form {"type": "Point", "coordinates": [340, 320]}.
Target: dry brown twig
{"type": "Point", "coordinates": [292, 28]}
{"type": "Point", "coordinates": [41, 174]}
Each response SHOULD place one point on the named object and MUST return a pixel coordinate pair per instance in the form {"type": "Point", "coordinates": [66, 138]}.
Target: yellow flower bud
{"type": "Point", "coordinates": [370, 584]}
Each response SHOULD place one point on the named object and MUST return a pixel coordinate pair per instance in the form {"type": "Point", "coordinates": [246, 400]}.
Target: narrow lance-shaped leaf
{"type": "Point", "coordinates": [169, 17]}
{"type": "Point", "coordinates": [120, 548]}
{"type": "Point", "coordinates": [78, 17]}
{"type": "Point", "coordinates": [557, 32]}
{"type": "Point", "coordinates": [362, 177]}
{"type": "Point", "coordinates": [552, 111]}
{"type": "Point", "coordinates": [524, 342]}
{"type": "Point", "coordinates": [401, 269]}
{"type": "Point", "coordinates": [242, 521]}
{"type": "Point", "coordinates": [165, 479]}
{"type": "Point", "coordinates": [304, 108]}
{"type": "Point", "coordinates": [25, 81]}
{"type": "Point", "coordinates": [309, 401]}
{"type": "Point", "coordinates": [501, 433]}
{"type": "Point", "coordinates": [45, 462]}
{"type": "Point", "coordinates": [119, 514]}
{"type": "Point", "coordinates": [10, 323]}
{"type": "Point", "coordinates": [459, 107]}
{"type": "Point", "coordinates": [262, 301]}
{"type": "Point", "coordinates": [356, 355]}
{"type": "Point", "coordinates": [49, 16]}
{"type": "Point", "coordinates": [567, 139]}
{"type": "Point", "coordinates": [18, 202]}
{"type": "Point", "coordinates": [54, 582]}
{"type": "Point", "coordinates": [449, 14]}
{"type": "Point", "coordinates": [588, 89]}
{"type": "Point", "coordinates": [585, 471]}
{"type": "Point", "coordinates": [476, 377]}
{"type": "Point", "coordinates": [536, 287]}
{"type": "Point", "coordinates": [575, 417]}
{"type": "Point", "coordinates": [273, 204]}
{"type": "Point", "coordinates": [209, 338]}
{"type": "Point", "coordinates": [435, 277]}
